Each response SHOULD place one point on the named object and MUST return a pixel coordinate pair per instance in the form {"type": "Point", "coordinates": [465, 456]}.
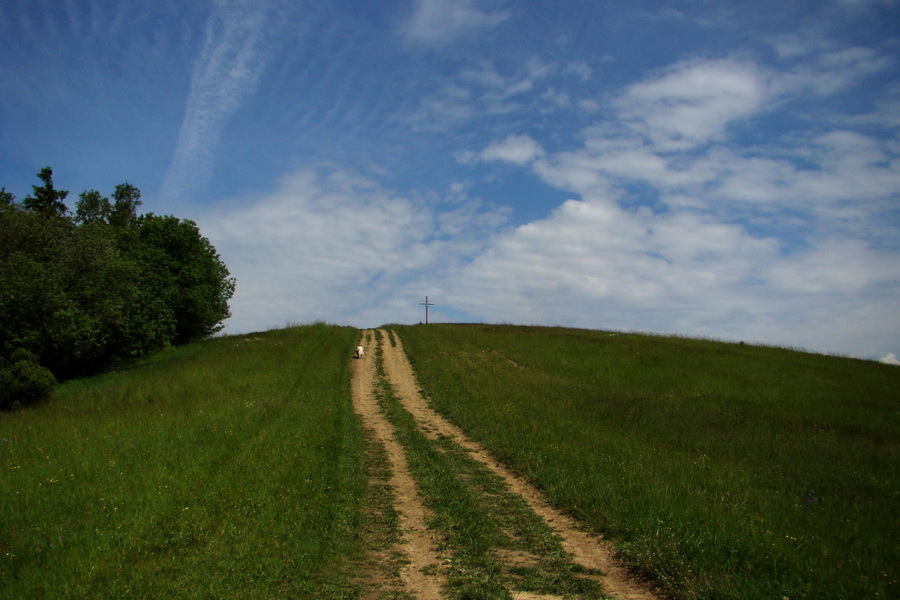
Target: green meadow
{"type": "Point", "coordinates": [235, 467]}
{"type": "Point", "coordinates": [229, 468]}
{"type": "Point", "coordinates": [721, 470]}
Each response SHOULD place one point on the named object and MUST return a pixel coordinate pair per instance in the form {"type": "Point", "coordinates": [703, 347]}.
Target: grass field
{"type": "Point", "coordinates": [229, 468]}
{"type": "Point", "coordinates": [724, 471]}
{"type": "Point", "coordinates": [236, 467]}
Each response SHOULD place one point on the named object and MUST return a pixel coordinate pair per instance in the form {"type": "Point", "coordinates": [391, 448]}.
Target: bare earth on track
{"type": "Point", "coordinates": [418, 546]}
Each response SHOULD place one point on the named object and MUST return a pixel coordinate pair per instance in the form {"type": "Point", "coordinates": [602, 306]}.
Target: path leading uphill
{"type": "Point", "coordinates": [424, 575]}
{"type": "Point", "coordinates": [417, 546]}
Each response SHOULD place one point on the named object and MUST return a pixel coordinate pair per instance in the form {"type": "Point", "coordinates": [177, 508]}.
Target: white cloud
{"type": "Point", "coordinates": [834, 71]}
{"type": "Point", "coordinates": [443, 21]}
{"type": "Point", "coordinates": [673, 138]}
{"type": "Point", "coordinates": [836, 184]}
{"type": "Point", "coordinates": [890, 359]}
{"type": "Point", "coordinates": [557, 99]}
{"type": "Point", "coordinates": [588, 105]}
{"type": "Point", "coordinates": [591, 263]}
{"type": "Point", "coordinates": [802, 43]}
{"type": "Point", "coordinates": [833, 266]}
{"type": "Point", "coordinates": [338, 245]}
{"type": "Point", "coordinates": [516, 149]}
{"type": "Point", "coordinates": [574, 171]}
{"type": "Point", "coordinates": [594, 264]}
{"type": "Point", "coordinates": [815, 62]}
{"type": "Point", "coordinates": [693, 103]}
{"type": "Point", "coordinates": [699, 261]}
{"type": "Point", "coordinates": [579, 69]}
{"type": "Point", "coordinates": [853, 166]}
{"type": "Point", "coordinates": [886, 113]}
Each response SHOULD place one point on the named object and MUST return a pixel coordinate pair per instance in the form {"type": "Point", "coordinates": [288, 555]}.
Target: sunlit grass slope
{"type": "Point", "coordinates": [724, 471]}
{"type": "Point", "coordinates": [229, 468]}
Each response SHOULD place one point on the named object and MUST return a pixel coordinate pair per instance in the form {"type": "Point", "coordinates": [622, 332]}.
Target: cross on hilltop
{"type": "Point", "coordinates": [427, 304]}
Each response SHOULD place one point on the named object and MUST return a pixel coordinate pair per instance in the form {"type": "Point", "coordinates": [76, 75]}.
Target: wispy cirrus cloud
{"type": "Point", "coordinates": [482, 91]}
{"type": "Point", "coordinates": [236, 50]}
{"type": "Point", "coordinates": [436, 22]}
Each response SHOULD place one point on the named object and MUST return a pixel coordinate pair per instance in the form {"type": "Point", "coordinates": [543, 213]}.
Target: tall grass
{"type": "Point", "coordinates": [228, 468]}
{"type": "Point", "coordinates": [724, 471]}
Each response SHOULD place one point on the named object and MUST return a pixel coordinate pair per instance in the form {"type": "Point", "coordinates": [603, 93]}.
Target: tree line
{"type": "Point", "coordinates": [83, 292]}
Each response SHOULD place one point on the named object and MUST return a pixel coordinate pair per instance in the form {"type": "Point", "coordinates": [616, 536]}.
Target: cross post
{"type": "Point", "coordinates": [427, 304]}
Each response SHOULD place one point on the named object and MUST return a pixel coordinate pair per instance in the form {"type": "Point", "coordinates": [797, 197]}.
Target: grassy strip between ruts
{"type": "Point", "coordinates": [492, 541]}
{"type": "Point", "coordinates": [227, 468]}
{"type": "Point", "coordinates": [723, 470]}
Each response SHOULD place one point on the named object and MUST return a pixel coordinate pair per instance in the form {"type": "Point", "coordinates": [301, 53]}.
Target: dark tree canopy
{"type": "Point", "coordinates": [80, 294]}
{"type": "Point", "coordinates": [126, 199]}
{"type": "Point", "coordinates": [190, 276]}
{"type": "Point", "coordinates": [46, 198]}
{"type": "Point", "coordinates": [6, 199]}
{"type": "Point", "coordinates": [92, 207]}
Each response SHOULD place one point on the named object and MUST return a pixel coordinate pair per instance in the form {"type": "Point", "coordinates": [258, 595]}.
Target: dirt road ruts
{"type": "Point", "coordinates": [586, 550]}
{"type": "Point", "coordinates": [420, 576]}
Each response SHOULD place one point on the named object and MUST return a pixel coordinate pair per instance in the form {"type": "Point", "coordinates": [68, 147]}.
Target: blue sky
{"type": "Point", "coordinates": [718, 169]}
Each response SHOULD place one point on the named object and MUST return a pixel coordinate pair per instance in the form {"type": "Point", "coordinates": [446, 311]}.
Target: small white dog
{"type": "Point", "coordinates": [360, 352]}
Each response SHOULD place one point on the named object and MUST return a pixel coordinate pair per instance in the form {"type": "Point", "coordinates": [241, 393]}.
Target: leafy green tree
{"type": "Point", "coordinates": [187, 273]}
{"type": "Point", "coordinates": [7, 200]}
{"type": "Point", "coordinates": [81, 293]}
{"type": "Point", "coordinates": [23, 380]}
{"type": "Point", "coordinates": [124, 210]}
{"type": "Point", "coordinates": [29, 291]}
{"type": "Point", "coordinates": [46, 198]}
{"type": "Point", "coordinates": [63, 292]}
{"type": "Point", "coordinates": [92, 207]}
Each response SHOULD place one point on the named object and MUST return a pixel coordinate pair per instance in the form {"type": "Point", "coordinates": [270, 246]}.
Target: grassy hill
{"type": "Point", "coordinates": [725, 471]}
{"type": "Point", "coordinates": [230, 468]}
{"type": "Point", "coordinates": [235, 467]}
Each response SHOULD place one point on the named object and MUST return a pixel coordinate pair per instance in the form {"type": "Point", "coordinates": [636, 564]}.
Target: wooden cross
{"type": "Point", "coordinates": [427, 304]}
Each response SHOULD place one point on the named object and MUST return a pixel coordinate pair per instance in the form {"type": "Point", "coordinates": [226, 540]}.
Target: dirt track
{"type": "Point", "coordinates": [418, 544]}
{"type": "Point", "coordinates": [422, 576]}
